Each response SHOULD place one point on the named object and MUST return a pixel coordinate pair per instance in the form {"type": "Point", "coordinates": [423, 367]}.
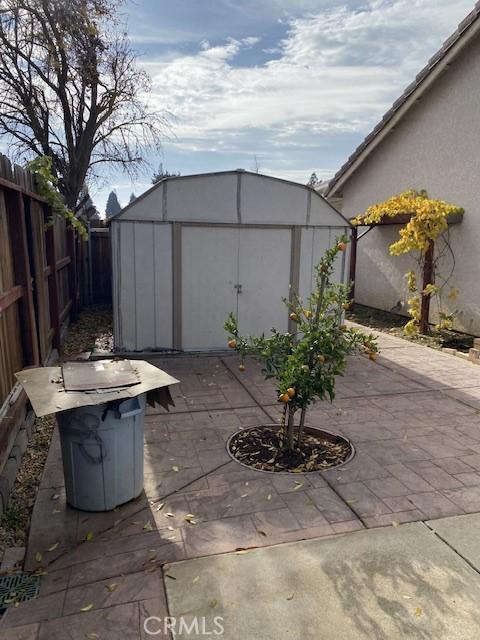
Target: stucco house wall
{"type": "Point", "coordinates": [436, 146]}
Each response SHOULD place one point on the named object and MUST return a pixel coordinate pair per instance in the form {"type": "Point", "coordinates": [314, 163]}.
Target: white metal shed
{"type": "Point", "coordinates": [193, 248]}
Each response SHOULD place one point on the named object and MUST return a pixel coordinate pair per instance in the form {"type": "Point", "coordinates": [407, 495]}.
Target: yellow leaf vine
{"type": "Point", "coordinates": [428, 220]}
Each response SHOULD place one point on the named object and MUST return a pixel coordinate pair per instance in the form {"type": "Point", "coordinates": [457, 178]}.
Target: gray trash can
{"type": "Point", "coordinates": [102, 452]}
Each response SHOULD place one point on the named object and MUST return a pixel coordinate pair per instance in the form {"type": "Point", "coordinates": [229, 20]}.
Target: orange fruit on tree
{"type": "Point", "coordinates": [232, 343]}
{"type": "Point", "coordinates": [305, 368]}
{"type": "Point", "coordinates": [342, 246]}
{"type": "Point", "coordinates": [284, 397]}
{"type": "Point", "coordinates": [308, 313]}
{"type": "Point", "coordinates": [321, 358]}
{"type": "Point", "coordinates": [291, 392]}
{"type": "Point", "coordinates": [293, 316]}
{"type": "Point", "coordinates": [241, 367]}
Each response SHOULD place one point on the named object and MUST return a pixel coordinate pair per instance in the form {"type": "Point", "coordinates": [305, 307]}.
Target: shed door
{"type": "Point", "coordinates": [244, 270]}
{"type": "Point", "coordinates": [264, 276]}
{"type": "Point", "coordinates": [209, 276]}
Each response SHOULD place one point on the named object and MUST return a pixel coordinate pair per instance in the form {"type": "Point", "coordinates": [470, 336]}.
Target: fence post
{"type": "Point", "coordinates": [18, 237]}
{"type": "Point", "coordinates": [72, 272]}
{"type": "Point", "coordinates": [52, 282]}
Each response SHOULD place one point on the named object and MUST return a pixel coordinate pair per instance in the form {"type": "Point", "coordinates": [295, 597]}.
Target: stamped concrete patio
{"type": "Point", "coordinates": [414, 417]}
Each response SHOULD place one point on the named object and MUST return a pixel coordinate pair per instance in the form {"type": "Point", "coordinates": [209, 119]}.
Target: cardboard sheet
{"type": "Point", "coordinates": [45, 389]}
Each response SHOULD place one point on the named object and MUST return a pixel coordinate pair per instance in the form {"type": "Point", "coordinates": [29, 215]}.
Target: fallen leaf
{"type": "Point", "coordinates": [89, 536]}
{"type": "Point", "coordinates": [56, 511]}
{"type": "Point", "coordinates": [169, 576]}
{"type": "Point", "coordinates": [160, 506]}
{"type": "Point", "coordinates": [87, 607]}
{"type": "Point", "coordinates": [112, 587]}
{"type": "Point", "coordinates": [55, 496]}
{"type": "Point", "coordinates": [262, 533]}
{"type": "Point", "coordinates": [170, 528]}
{"type": "Point", "coordinates": [290, 596]}
{"type": "Point", "coordinates": [395, 523]}
{"type": "Point", "coordinates": [269, 497]}
{"type": "Point", "coordinates": [213, 603]}
{"type": "Point", "coordinates": [53, 547]}
{"type": "Point", "coordinates": [418, 612]}
{"type": "Point", "coordinates": [190, 518]}
{"type": "Point", "coordinates": [299, 485]}
{"type": "Point", "coordinates": [175, 468]}
{"type": "Point", "coordinates": [244, 495]}
{"type": "Point", "coordinates": [147, 527]}
{"type": "Point", "coordinates": [38, 556]}
{"type": "Point", "coordinates": [92, 636]}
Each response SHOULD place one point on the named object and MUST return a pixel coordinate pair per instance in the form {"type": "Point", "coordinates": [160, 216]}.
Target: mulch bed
{"type": "Point", "coordinates": [261, 448]}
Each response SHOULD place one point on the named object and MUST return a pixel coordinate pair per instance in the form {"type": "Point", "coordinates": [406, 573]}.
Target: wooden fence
{"type": "Point", "coordinates": [42, 286]}
{"type": "Point", "coordinates": [100, 265]}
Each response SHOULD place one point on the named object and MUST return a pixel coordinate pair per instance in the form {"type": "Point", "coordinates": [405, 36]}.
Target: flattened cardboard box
{"type": "Point", "coordinates": [45, 389]}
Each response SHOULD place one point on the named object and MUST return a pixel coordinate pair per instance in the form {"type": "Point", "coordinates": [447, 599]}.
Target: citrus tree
{"type": "Point", "coordinates": [305, 363]}
{"type": "Point", "coordinates": [428, 219]}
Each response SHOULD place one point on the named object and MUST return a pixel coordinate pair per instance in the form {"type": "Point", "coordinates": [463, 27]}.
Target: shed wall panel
{"type": "Point", "coordinates": [202, 199]}
{"type": "Point", "coordinates": [321, 213]}
{"type": "Point", "coordinates": [163, 285]}
{"type": "Point", "coordinates": [146, 207]}
{"type": "Point", "coordinates": [126, 286]}
{"type": "Point", "coordinates": [264, 200]}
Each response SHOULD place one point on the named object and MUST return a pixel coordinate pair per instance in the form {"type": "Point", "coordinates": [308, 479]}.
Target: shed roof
{"type": "Point", "coordinates": [460, 38]}
{"type": "Point", "coordinates": [237, 196]}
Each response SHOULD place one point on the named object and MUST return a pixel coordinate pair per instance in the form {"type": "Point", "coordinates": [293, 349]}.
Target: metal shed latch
{"type": "Point", "coordinates": [238, 287]}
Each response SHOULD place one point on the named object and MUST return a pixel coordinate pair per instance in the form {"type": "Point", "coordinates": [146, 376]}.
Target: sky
{"type": "Point", "coordinates": [285, 87]}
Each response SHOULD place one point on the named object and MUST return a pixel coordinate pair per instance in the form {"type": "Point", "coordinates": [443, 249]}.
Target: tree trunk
{"type": "Point", "coordinates": [301, 426]}
{"type": "Point", "coordinates": [291, 429]}
{"type": "Point", "coordinates": [427, 279]}
{"type": "Point", "coordinates": [282, 427]}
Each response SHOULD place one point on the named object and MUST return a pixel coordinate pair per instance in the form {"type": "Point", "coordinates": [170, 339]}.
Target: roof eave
{"type": "Point", "coordinates": [383, 128]}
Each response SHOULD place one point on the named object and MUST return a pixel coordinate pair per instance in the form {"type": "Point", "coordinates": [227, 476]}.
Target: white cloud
{"type": "Point", "coordinates": [337, 71]}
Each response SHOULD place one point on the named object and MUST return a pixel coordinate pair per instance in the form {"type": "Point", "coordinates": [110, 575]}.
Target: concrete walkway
{"type": "Point", "coordinates": [387, 583]}
{"type": "Point", "coordinates": [413, 416]}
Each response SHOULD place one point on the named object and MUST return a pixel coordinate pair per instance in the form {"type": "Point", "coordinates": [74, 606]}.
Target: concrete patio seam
{"type": "Point", "coordinates": [445, 541]}
{"type": "Point", "coordinates": [181, 413]}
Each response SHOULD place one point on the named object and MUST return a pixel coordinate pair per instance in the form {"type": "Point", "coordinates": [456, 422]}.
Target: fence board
{"type": "Point", "coordinates": [101, 265]}
{"type": "Point", "coordinates": [40, 284]}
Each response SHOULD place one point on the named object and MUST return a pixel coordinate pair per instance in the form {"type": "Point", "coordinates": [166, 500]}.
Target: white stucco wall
{"type": "Point", "coordinates": [435, 147]}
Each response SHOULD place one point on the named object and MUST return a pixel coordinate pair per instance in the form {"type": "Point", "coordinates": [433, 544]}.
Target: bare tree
{"type": "Point", "coordinates": [70, 89]}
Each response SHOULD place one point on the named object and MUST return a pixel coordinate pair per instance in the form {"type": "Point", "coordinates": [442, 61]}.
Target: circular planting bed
{"type": "Point", "coordinates": [261, 448]}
